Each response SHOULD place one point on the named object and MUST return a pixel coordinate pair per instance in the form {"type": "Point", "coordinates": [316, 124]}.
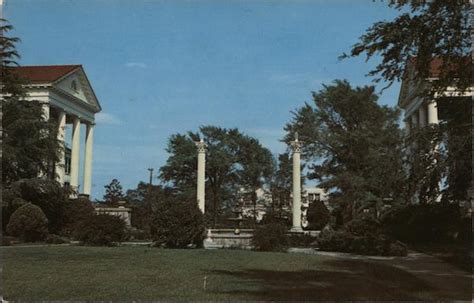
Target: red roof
{"type": "Point", "coordinates": [43, 73]}
{"type": "Point", "coordinates": [436, 65]}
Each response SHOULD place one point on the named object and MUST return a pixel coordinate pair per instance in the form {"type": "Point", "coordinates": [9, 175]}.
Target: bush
{"type": "Point", "coordinates": [424, 223]}
{"type": "Point", "coordinates": [9, 206]}
{"type": "Point", "coordinates": [55, 239]}
{"type": "Point", "coordinates": [301, 240]}
{"type": "Point", "coordinates": [364, 226]}
{"type": "Point", "coordinates": [270, 237]}
{"type": "Point", "coordinates": [29, 223]}
{"type": "Point", "coordinates": [345, 241]}
{"type": "Point", "coordinates": [75, 212]}
{"type": "Point", "coordinates": [177, 224]}
{"type": "Point", "coordinates": [101, 230]}
{"type": "Point", "coordinates": [49, 195]}
{"type": "Point", "coordinates": [318, 215]}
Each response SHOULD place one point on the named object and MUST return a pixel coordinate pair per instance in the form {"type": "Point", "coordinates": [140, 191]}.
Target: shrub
{"type": "Point", "coordinates": [345, 241]}
{"type": "Point", "coordinates": [9, 206]}
{"type": "Point", "coordinates": [270, 237]}
{"type": "Point", "coordinates": [101, 230]}
{"type": "Point", "coordinates": [301, 240]}
{"type": "Point", "coordinates": [75, 212]}
{"type": "Point", "coordinates": [177, 224]}
{"type": "Point", "coordinates": [29, 223]}
{"type": "Point", "coordinates": [55, 239]}
{"type": "Point", "coordinates": [424, 223]}
{"type": "Point", "coordinates": [364, 226]}
{"type": "Point", "coordinates": [318, 215]}
{"type": "Point", "coordinates": [49, 195]}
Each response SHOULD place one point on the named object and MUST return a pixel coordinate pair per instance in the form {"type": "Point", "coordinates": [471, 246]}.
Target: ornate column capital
{"type": "Point", "coordinates": [296, 144]}
{"type": "Point", "coordinates": [201, 146]}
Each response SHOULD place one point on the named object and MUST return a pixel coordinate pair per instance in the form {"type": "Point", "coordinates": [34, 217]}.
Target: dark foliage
{"type": "Point", "coordinates": [270, 237]}
{"type": "Point", "coordinates": [318, 215]}
{"type": "Point", "coordinates": [177, 224]}
{"type": "Point", "coordinates": [56, 239]}
{"type": "Point", "coordinates": [113, 193]}
{"type": "Point", "coordinates": [101, 230]}
{"type": "Point", "coordinates": [75, 212]}
{"type": "Point", "coordinates": [49, 195]}
{"type": "Point", "coordinates": [29, 142]}
{"type": "Point", "coordinates": [363, 235]}
{"type": "Point", "coordinates": [424, 223]}
{"type": "Point", "coordinates": [354, 144]}
{"type": "Point", "coordinates": [29, 223]}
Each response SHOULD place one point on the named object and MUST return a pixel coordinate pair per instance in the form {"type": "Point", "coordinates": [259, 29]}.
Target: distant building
{"type": "Point", "coordinates": [66, 96]}
{"type": "Point", "coordinates": [264, 201]}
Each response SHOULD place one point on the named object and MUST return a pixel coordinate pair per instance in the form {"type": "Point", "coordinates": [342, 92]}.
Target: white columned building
{"type": "Point", "coordinates": [67, 97]}
{"type": "Point", "coordinates": [420, 111]}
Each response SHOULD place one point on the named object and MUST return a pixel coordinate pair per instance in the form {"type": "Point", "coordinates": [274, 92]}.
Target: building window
{"type": "Point", "coordinates": [74, 85]}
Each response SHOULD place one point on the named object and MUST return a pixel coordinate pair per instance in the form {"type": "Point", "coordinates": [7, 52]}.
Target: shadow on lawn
{"type": "Point", "coordinates": [337, 280]}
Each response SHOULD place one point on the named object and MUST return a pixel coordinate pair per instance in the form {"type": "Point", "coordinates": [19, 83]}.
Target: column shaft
{"type": "Point", "coordinates": [432, 113]}
{"type": "Point", "coordinates": [296, 209]}
{"type": "Point", "coordinates": [76, 135]}
{"type": "Point", "coordinates": [422, 115]}
{"type": "Point", "coordinates": [60, 166]}
{"type": "Point", "coordinates": [201, 180]}
{"type": "Point", "coordinates": [88, 159]}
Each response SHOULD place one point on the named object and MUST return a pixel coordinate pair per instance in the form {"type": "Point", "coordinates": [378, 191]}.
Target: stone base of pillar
{"type": "Point", "coordinates": [295, 229]}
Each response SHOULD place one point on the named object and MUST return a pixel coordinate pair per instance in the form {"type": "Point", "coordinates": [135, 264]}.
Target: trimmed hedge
{"type": "Point", "coordinates": [270, 237]}
{"type": "Point", "coordinates": [29, 223]}
{"type": "Point", "coordinates": [362, 236]}
{"type": "Point", "coordinates": [101, 230]}
{"type": "Point", "coordinates": [177, 224]}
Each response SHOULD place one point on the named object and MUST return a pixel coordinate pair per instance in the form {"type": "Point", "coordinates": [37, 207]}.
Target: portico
{"type": "Point", "coordinates": [68, 99]}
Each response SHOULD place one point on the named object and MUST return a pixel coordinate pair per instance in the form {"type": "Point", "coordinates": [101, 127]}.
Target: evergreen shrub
{"type": "Point", "coordinates": [29, 223]}
{"type": "Point", "coordinates": [270, 237]}
{"type": "Point", "coordinates": [177, 224]}
{"type": "Point", "coordinates": [101, 230]}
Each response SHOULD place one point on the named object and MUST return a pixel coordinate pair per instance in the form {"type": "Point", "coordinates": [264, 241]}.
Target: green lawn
{"type": "Point", "coordinates": [134, 273]}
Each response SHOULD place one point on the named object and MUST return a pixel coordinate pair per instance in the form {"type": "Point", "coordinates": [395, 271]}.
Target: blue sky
{"type": "Point", "coordinates": [163, 67]}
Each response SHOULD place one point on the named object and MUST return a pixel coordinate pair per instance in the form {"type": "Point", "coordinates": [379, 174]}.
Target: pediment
{"type": "Point", "coordinates": [77, 85]}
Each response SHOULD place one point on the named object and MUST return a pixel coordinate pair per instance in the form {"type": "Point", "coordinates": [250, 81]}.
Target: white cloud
{"type": "Point", "coordinates": [105, 118]}
{"type": "Point", "coordinates": [136, 64]}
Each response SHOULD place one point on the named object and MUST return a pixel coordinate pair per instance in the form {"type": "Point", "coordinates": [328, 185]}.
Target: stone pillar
{"type": "Point", "coordinates": [60, 166]}
{"type": "Point", "coordinates": [76, 135]}
{"type": "Point", "coordinates": [46, 110]}
{"type": "Point", "coordinates": [422, 115]}
{"type": "Point", "coordinates": [414, 121]}
{"type": "Point", "coordinates": [201, 175]}
{"type": "Point", "coordinates": [407, 127]}
{"type": "Point", "coordinates": [296, 209]}
{"type": "Point", "coordinates": [432, 112]}
{"type": "Point", "coordinates": [88, 159]}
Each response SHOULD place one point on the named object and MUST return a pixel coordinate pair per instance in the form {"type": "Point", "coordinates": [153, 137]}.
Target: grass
{"type": "Point", "coordinates": [137, 273]}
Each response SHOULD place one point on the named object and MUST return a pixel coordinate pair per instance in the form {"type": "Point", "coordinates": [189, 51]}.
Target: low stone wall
{"type": "Point", "coordinates": [226, 238]}
{"type": "Point", "coordinates": [122, 212]}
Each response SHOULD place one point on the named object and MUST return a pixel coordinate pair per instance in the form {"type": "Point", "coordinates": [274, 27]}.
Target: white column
{"type": "Point", "coordinates": [296, 209]}
{"type": "Point", "coordinates": [407, 127]}
{"type": "Point", "coordinates": [45, 109]}
{"type": "Point", "coordinates": [60, 166]}
{"type": "Point", "coordinates": [201, 174]}
{"type": "Point", "coordinates": [432, 112]}
{"type": "Point", "coordinates": [76, 135]}
{"type": "Point", "coordinates": [422, 115]}
{"type": "Point", "coordinates": [88, 159]}
{"type": "Point", "coordinates": [414, 121]}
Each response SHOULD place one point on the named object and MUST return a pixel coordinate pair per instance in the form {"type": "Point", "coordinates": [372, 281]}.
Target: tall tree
{"type": "Point", "coordinates": [29, 141]}
{"type": "Point", "coordinates": [353, 144]}
{"type": "Point", "coordinates": [426, 30]}
{"type": "Point", "coordinates": [113, 193]}
{"type": "Point", "coordinates": [229, 164]}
